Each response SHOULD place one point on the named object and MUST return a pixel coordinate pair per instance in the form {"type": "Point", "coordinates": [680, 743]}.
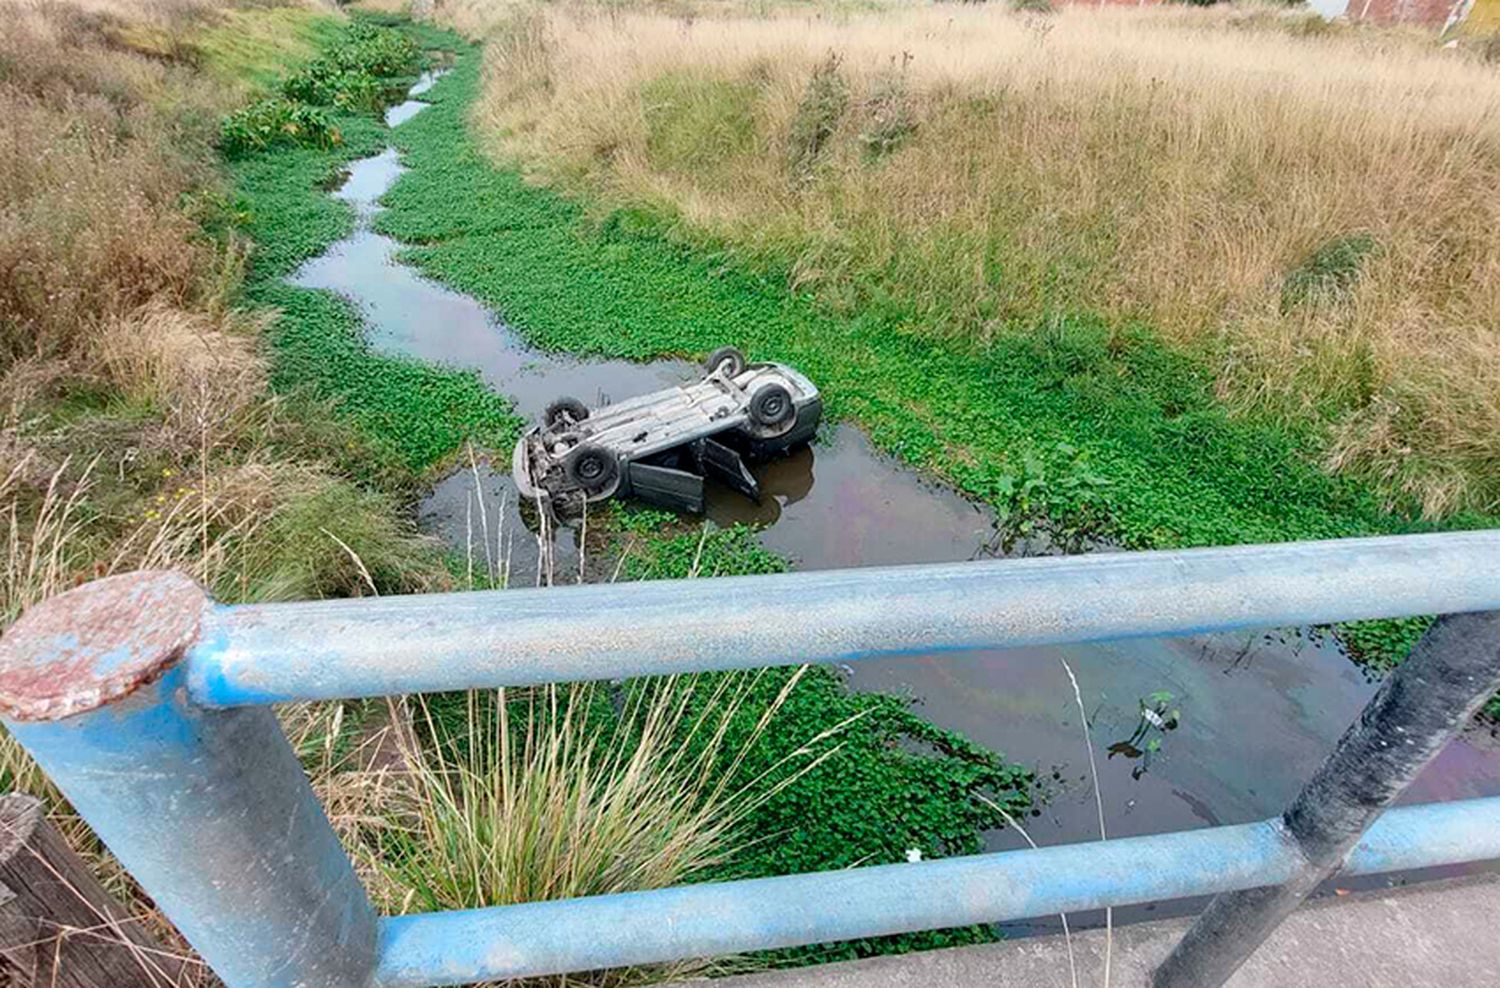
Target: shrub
{"type": "Point", "coordinates": [276, 122]}
{"type": "Point", "coordinates": [378, 51]}
{"type": "Point", "coordinates": [348, 75]}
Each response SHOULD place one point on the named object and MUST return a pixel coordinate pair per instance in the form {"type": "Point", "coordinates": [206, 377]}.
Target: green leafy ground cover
{"type": "Point", "coordinates": [413, 414]}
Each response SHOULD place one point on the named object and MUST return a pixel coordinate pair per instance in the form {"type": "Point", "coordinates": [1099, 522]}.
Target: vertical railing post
{"type": "Point", "coordinates": [1416, 712]}
{"type": "Point", "coordinates": [208, 809]}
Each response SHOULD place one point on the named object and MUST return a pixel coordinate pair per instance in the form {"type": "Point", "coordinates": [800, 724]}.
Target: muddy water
{"type": "Point", "coordinates": [1258, 711]}
{"type": "Point", "coordinates": [408, 314]}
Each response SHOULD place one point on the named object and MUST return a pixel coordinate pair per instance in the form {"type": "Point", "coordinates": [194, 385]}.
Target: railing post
{"type": "Point", "coordinates": [1416, 712]}
{"type": "Point", "coordinates": [208, 809]}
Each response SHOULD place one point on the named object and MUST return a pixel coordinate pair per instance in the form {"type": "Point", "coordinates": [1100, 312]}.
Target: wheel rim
{"type": "Point", "coordinates": [591, 468]}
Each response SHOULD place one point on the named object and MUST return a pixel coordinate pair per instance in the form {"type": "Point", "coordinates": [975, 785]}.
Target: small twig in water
{"type": "Point", "coordinates": [583, 542]}
{"type": "Point", "coordinates": [484, 521]}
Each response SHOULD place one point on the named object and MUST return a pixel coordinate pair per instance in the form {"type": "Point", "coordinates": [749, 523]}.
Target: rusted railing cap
{"type": "Point", "coordinates": [91, 646]}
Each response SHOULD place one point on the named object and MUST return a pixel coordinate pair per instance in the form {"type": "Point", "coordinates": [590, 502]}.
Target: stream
{"type": "Point", "coordinates": [1259, 711]}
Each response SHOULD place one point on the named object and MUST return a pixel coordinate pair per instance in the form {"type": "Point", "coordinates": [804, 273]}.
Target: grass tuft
{"type": "Point", "coordinates": [1329, 274]}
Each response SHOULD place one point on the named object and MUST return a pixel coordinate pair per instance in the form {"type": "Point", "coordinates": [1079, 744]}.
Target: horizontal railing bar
{"type": "Point", "coordinates": [636, 928]}
{"type": "Point", "coordinates": [267, 653]}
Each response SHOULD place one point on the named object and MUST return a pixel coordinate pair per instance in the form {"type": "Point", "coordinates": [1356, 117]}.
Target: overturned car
{"type": "Point", "coordinates": [661, 447]}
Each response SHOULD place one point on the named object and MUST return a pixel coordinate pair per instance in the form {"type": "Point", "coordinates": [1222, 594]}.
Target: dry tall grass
{"type": "Point", "coordinates": [136, 428]}
{"type": "Point", "coordinates": [92, 176]}
{"type": "Point", "coordinates": [118, 346]}
{"type": "Point", "coordinates": [1193, 169]}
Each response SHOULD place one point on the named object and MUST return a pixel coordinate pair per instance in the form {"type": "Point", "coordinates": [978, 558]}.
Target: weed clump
{"type": "Point", "coordinates": [892, 118]}
{"type": "Point", "coordinates": [350, 76]}
{"type": "Point", "coordinates": [818, 114]}
{"type": "Point", "coordinates": [380, 51]}
{"type": "Point", "coordinates": [321, 83]}
{"type": "Point", "coordinates": [1328, 274]}
{"type": "Point", "coordinates": [276, 122]}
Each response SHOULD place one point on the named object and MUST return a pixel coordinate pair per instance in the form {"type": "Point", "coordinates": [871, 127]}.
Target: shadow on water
{"type": "Point", "coordinates": [1258, 711]}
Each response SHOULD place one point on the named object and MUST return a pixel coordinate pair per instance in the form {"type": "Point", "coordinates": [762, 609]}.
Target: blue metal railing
{"type": "Point", "coordinates": [148, 705]}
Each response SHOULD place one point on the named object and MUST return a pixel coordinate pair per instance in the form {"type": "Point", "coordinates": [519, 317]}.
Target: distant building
{"type": "Point", "coordinates": [1473, 13]}
{"type": "Point", "coordinates": [1434, 12]}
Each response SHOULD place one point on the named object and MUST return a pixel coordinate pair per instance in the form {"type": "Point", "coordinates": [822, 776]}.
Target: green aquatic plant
{"type": "Point", "coordinates": [277, 122]}
{"type": "Point", "coordinates": [1157, 717]}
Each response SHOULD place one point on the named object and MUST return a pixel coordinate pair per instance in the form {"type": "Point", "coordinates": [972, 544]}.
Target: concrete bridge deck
{"type": "Point", "coordinates": [1430, 935]}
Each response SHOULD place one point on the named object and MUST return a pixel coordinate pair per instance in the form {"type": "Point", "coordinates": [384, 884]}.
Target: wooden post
{"type": "Point", "coordinates": [59, 928]}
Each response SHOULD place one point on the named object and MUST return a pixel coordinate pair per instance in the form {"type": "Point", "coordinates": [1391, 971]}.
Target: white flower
{"type": "Point", "coordinates": [913, 855]}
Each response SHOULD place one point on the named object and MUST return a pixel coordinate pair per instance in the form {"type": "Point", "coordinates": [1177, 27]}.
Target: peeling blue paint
{"type": "Point", "coordinates": [211, 812]}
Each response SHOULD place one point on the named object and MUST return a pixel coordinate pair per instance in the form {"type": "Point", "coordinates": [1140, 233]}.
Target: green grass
{"type": "Point", "coordinates": [258, 47]}
{"type": "Point", "coordinates": [692, 124]}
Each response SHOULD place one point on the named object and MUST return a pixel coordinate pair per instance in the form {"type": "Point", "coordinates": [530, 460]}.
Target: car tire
{"type": "Point", "coordinates": [592, 468]}
{"type": "Point", "coordinates": [771, 406]}
{"type": "Point", "coordinates": [726, 355]}
{"type": "Point", "coordinates": [570, 408]}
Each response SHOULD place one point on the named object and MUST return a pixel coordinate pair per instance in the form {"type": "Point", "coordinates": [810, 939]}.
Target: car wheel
{"type": "Point", "coordinates": [771, 405]}
{"type": "Point", "coordinates": [563, 411]}
{"type": "Point", "coordinates": [726, 359]}
{"type": "Point", "coordinates": [592, 468]}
